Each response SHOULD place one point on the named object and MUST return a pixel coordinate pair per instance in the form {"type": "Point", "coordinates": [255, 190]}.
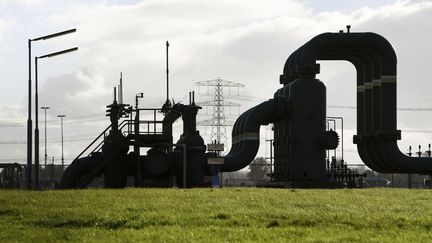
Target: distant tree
{"type": "Point", "coordinates": [259, 168]}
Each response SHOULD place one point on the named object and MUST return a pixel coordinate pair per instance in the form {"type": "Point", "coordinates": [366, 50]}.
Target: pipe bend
{"type": "Point", "coordinates": [350, 40]}
{"type": "Point", "coordinates": [77, 170]}
{"type": "Point", "coordinates": [407, 164]}
{"type": "Point", "coordinates": [289, 73]}
{"type": "Point", "coordinates": [237, 130]}
{"type": "Point", "coordinates": [248, 140]}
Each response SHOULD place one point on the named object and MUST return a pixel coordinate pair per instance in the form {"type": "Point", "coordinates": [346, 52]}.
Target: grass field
{"type": "Point", "coordinates": [216, 215]}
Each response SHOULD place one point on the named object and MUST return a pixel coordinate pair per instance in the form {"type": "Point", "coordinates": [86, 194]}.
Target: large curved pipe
{"type": "Point", "coordinates": [77, 170]}
{"type": "Point", "coordinates": [386, 134]}
{"type": "Point", "coordinates": [308, 52]}
{"type": "Point", "coordinates": [364, 68]}
{"type": "Point", "coordinates": [248, 138]}
{"type": "Point", "coordinates": [238, 129]}
{"type": "Point", "coordinates": [366, 140]}
{"type": "Point", "coordinates": [364, 118]}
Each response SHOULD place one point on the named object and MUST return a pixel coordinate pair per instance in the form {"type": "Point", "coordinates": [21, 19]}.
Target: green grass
{"type": "Point", "coordinates": [216, 215]}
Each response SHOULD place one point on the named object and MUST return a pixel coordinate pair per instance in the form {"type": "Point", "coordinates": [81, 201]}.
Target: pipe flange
{"type": "Point", "coordinates": [391, 135]}
{"type": "Point", "coordinates": [288, 77]}
{"type": "Point", "coordinates": [311, 69]}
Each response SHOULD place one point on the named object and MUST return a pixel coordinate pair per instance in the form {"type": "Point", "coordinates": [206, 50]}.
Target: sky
{"type": "Point", "coordinates": [241, 41]}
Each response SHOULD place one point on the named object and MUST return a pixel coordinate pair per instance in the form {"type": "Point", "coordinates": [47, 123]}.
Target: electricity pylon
{"type": "Point", "coordinates": [218, 122]}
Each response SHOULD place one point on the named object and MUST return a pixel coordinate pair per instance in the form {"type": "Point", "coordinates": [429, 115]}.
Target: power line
{"type": "Point", "coordinates": [218, 121]}
{"type": "Point", "coordinates": [24, 159]}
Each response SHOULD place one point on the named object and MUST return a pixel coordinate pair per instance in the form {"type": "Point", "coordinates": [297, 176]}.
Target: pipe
{"type": "Point", "coordinates": [308, 52]}
{"type": "Point", "coordinates": [241, 134]}
{"type": "Point", "coordinates": [386, 133]}
{"type": "Point", "coordinates": [78, 169]}
{"type": "Point", "coordinates": [363, 73]}
{"type": "Point", "coordinates": [388, 70]}
{"type": "Point", "coordinates": [237, 130]}
{"type": "Point", "coordinates": [365, 69]}
{"type": "Point", "coordinates": [284, 165]}
{"type": "Point", "coordinates": [248, 137]}
{"type": "Point", "coordinates": [290, 66]}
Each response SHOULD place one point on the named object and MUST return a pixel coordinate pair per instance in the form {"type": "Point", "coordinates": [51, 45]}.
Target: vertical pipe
{"type": "Point", "coordinates": [46, 156]}
{"type": "Point", "coordinates": [271, 157]}
{"type": "Point", "coordinates": [342, 142]}
{"type": "Point", "coordinates": [52, 172]}
{"type": "Point", "coordinates": [118, 94]}
{"type": "Point", "coordinates": [184, 166]}
{"type": "Point", "coordinates": [430, 176]}
{"type": "Point", "coordinates": [130, 121]}
{"type": "Point", "coordinates": [121, 88]}
{"type": "Point", "coordinates": [154, 121]}
{"type": "Point", "coordinates": [167, 72]}
{"type": "Point", "coordinates": [36, 144]}
{"type": "Point", "coordinates": [115, 94]}
{"type": "Point", "coordinates": [62, 158]}
{"type": "Point", "coordinates": [29, 124]}
{"type": "Point", "coordinates": [136, 145]}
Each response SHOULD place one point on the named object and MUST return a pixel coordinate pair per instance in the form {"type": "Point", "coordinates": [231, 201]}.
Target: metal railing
{"type": "Point", "coordinates": [130, 124]}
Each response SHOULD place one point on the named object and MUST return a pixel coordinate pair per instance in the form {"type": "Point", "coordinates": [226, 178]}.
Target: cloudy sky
{"type": "Point", "coordinates": [242, 41]}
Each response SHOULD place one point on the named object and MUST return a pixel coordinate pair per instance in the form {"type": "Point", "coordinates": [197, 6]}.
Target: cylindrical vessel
{"type": "Point", "coordinates": [281, 138]}
{"type": "Point", "coordinates": [157, 162]}
{"type": "Point", "coordinates": [306, 129]}
{"type": "Point", "coordinates": [195, 160]}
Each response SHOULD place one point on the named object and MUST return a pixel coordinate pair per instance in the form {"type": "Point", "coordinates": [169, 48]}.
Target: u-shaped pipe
{"type": "Point", "coordinates": [383, 90]}
{"type": "Point", "coordinates": [370, 53]}
{"type": "Point", "coordinates": [364, 68]}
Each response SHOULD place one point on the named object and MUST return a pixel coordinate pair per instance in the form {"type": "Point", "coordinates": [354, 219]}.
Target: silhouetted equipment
{"type": "Point", "coordinates": [165, 164]}
{"type": "Point", "coordinates": [161, 167]}
{"type": "Point", "coordinates": [167, 106]}
{"type": "Point", "coordinates": [297, 111]}
{"type": "Point", "coordinates": [10, 175]}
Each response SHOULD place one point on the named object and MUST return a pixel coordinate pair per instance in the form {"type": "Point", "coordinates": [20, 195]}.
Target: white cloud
{"type": "Point", "coordinates": [244, 41]}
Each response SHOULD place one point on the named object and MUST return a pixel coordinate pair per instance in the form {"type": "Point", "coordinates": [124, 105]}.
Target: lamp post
{"type": "Point", "coordinates": [45, 108]}
{"type": "Point", "coordinates": [29, 120]}
{"type": "Point", "coordinates": [61, 124]}
{"type": "Point", "coordinates": [37, 111]}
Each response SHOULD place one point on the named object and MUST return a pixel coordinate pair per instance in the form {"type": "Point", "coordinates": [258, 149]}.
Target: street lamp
{"type": "Point", "coordinates": [61, 124]}
{"type": "Point", "coordinates": [37, 111]}
{"type": "Point", "coordinates": [29, 120]}
{"type": "Point", "coordinates": [45, 108]}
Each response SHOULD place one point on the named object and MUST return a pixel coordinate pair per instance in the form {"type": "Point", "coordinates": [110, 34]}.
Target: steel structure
{"type": "Point", "coordinates": [218, 122]}
{"type": "Point", "coordinates": [297, 110]}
